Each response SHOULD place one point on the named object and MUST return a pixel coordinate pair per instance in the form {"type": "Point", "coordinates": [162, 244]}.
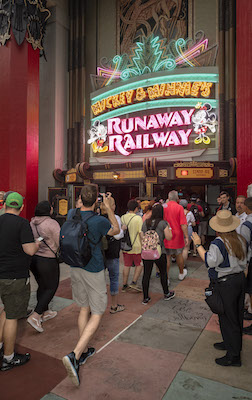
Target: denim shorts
{"type": "Point", "coordinates": [113, 269]}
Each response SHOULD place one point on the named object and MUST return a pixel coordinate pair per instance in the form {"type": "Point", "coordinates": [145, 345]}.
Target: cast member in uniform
{"type": "Point", "coordinates": [226, 261]}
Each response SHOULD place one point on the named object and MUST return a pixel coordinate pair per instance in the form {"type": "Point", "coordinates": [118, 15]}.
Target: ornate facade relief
{"type": "Point", "coordinates": [166, 18]}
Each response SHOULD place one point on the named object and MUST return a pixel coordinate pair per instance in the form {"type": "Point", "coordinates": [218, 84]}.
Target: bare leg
{"type": "Point", "coordinates": [126, 271]}
{"type": "Point", "coordinates": [203, 239]}
{"type": "Point", "coordinates": [9, 336]}
{"type": "Point", "coordinates": [83, 319]}
{"type": "Point", "coordinates": [137, 273]}
{"type": "Point", "coordinates": [180, 262]}
{"type": "Point", "coordinates": [2, 322]}
{"type": "Point", "coordinates": [168, 260]}
{"type": "Point", "coordinates": [114, 300]}
{"type": "Point", "coordinates": [87, 334]}
{"type": "Point", "coordinates": [185, 251]}
{"type": "Point", "coordinates": [194, 249]}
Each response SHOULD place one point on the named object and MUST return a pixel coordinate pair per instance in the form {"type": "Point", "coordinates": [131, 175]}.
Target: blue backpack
{"type": "Point", "coordinates": [75, 246]}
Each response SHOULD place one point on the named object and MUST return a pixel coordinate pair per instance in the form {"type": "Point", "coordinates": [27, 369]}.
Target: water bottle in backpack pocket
{"type": "Point", "coordinates": [75, 246]}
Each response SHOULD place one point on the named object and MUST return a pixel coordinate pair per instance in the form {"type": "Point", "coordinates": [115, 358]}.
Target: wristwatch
{"type": "Point", "coordinates": [198, 245]}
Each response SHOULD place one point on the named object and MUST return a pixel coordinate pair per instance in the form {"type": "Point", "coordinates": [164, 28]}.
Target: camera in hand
{"type": "Point", "coordinates": [100, 198]}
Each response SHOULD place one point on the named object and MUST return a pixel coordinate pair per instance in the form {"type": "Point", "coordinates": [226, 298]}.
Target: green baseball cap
{"type": "Point", "coordinates": [14, 200]}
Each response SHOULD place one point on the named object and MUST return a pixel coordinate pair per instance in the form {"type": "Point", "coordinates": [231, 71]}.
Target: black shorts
{"type": "Point", "coordinates": [249, 278]}
{"type": "Point", "coordinates": [15, 295]}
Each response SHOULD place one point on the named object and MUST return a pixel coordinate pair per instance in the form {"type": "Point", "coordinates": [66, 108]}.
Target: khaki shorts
{"type": "Point", "coordinates": [89, 289]}
{"type": "Point", "coordinates": [15, 295]}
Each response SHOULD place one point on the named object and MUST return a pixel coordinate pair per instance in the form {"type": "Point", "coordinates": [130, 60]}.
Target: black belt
{"type": "Point", "coordinates": [227, 277]}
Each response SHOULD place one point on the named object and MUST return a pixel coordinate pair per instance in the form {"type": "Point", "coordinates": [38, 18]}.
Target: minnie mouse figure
{"type": "Point", "coordinates": [202, 121]}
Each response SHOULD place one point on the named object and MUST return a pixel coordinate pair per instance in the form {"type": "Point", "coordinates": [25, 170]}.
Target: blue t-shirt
{"type": "Point", "coordinates": [98, 226]}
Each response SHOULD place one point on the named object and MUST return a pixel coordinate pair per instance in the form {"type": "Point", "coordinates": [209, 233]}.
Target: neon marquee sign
{"type": "Point", "coordinates": [126, 135]}
{"type": "Point", "coordinates": [152, 54]}
{"type": "Point", "coordinates": [157, 91]}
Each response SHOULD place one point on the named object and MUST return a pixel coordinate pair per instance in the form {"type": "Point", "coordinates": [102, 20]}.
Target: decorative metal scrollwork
{"type": "Point", "coordinates": [23, 16]}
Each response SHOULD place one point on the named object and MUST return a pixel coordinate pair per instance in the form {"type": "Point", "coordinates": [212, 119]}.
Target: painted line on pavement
{"type": "Point", "coordinates": [114, 338]}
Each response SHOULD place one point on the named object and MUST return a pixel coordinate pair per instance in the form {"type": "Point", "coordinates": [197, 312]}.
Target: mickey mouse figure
{"type": "Point", "coordinates": [202, 121]}
{"type": "Point", "coordinates": [98, 135]}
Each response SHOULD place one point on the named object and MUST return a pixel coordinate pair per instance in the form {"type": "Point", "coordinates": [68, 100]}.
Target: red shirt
{"type": "Point", "coordinates": [175, 216]}
{"type": "Point", "coordinates": [199, 208]}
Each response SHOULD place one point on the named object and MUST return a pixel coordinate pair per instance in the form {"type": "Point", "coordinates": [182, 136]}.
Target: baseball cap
{"type": "Point", "coordinates": [7, 194]}
{"type": "Point", "coordinates": [14, 200]}
{"type": "Point", "coordinates": [193, 197]}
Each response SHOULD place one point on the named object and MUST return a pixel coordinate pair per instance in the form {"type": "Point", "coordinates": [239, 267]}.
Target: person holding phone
{"type": "Point", "coordinates": [44, 266]}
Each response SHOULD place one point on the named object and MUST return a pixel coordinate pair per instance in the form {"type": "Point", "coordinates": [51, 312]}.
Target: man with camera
{"type": "Point", "coordinates": [88, 282]}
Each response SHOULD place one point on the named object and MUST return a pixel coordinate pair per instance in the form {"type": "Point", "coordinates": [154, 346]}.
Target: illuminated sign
{"type": "Point", "coordinates": [152, 54]}
{"type": "Point", "coordinates": [158, 91]}
{"type": "Point", "coordinates": [160, 130]}
{"type": "Point", "coordinates": [191, 173]}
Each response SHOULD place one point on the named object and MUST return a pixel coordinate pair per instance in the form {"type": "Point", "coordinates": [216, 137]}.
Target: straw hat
{"type": "Point", "coordinates": [224, 221]}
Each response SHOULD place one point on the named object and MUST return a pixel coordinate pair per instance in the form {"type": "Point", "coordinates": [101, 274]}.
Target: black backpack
{"type": "Point", "coordinates": [194, 209]}
{"type": "Point", "coordinates": [75, 246]}
{"type": "Point", "coordinates": [126, 244]}
{"type": "Point", "coordinates": [206, 210]}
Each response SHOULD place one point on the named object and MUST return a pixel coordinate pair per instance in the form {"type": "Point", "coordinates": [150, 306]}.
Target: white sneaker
{"type": "Point", "coordinates": [182, 276]}
{"type": "Point", "coordinates": [49, 314]}
{"type": "Point", "coordinates": [35, 323]}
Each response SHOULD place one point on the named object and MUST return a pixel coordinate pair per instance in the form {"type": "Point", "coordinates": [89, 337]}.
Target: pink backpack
{"type": "Point", "coordinates": [151, 249]}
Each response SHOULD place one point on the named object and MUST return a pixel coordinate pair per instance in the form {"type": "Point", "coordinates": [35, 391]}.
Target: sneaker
{"type": "Point", "coordinates": [49, 314]}
{"type": "Point", "coordinates": [35, 323]}
{"type": "Point", "coordinates": [228, 362]}
{"type": "Point", "coordinates": [220, 346]}
{"type": "Point", "coordinates": [86, 355]}
{"type": "Point", "coordinates": [117, 309]}
{"type": "Point", "coordinates": [125, 288]}
{"type": "Point", "coordinates": [247, 316]}
{"type": "Point", "coordinates": [72, 367]}
{"type": "Point", "coordinates": [170, 295]}
{"type": "Point", "coordinates": [17, 361]}
{"type": "Point", "coordinates": [146, 301]}
{"type": "Point", "coordinates": [248, 330]}
{"type": "Point", "coordinates": [135, 287]}
{"type": "Point", "coordinates": [182, 276]}
{"type": "Point", "coordinates": [194, 254]}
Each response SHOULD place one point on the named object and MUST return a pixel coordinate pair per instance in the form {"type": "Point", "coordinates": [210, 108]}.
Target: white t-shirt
{"type": "Point", "coordinates": [190, 218]}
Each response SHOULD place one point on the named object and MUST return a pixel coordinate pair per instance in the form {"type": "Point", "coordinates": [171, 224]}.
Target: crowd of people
{"type": "Point", "coordinates": [150, 232]}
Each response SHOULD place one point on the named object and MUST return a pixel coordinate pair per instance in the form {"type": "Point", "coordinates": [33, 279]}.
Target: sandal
{"type": "Point", "coordinates": [118, 308]}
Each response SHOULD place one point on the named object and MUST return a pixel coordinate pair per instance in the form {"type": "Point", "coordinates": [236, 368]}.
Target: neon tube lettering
{"type": "Point", "coordinates": [176, 120]}
{"type": "Point", "coordinates": [160, 138]}
{"type": "Point", "coordinates": [187, 116]}
{"type": "Point", "coordinates": [173, 139]}
{"type": "Point", "coordinates": [130, 125]}
{"type": "Point", "coordinates": [146, 143]}
{"type": "Point", "coordinates": [185, 136]}
{"type": "Point", "coordinates": [141, 123]}
{"type": "Point", "coordinates": [113, 125]}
